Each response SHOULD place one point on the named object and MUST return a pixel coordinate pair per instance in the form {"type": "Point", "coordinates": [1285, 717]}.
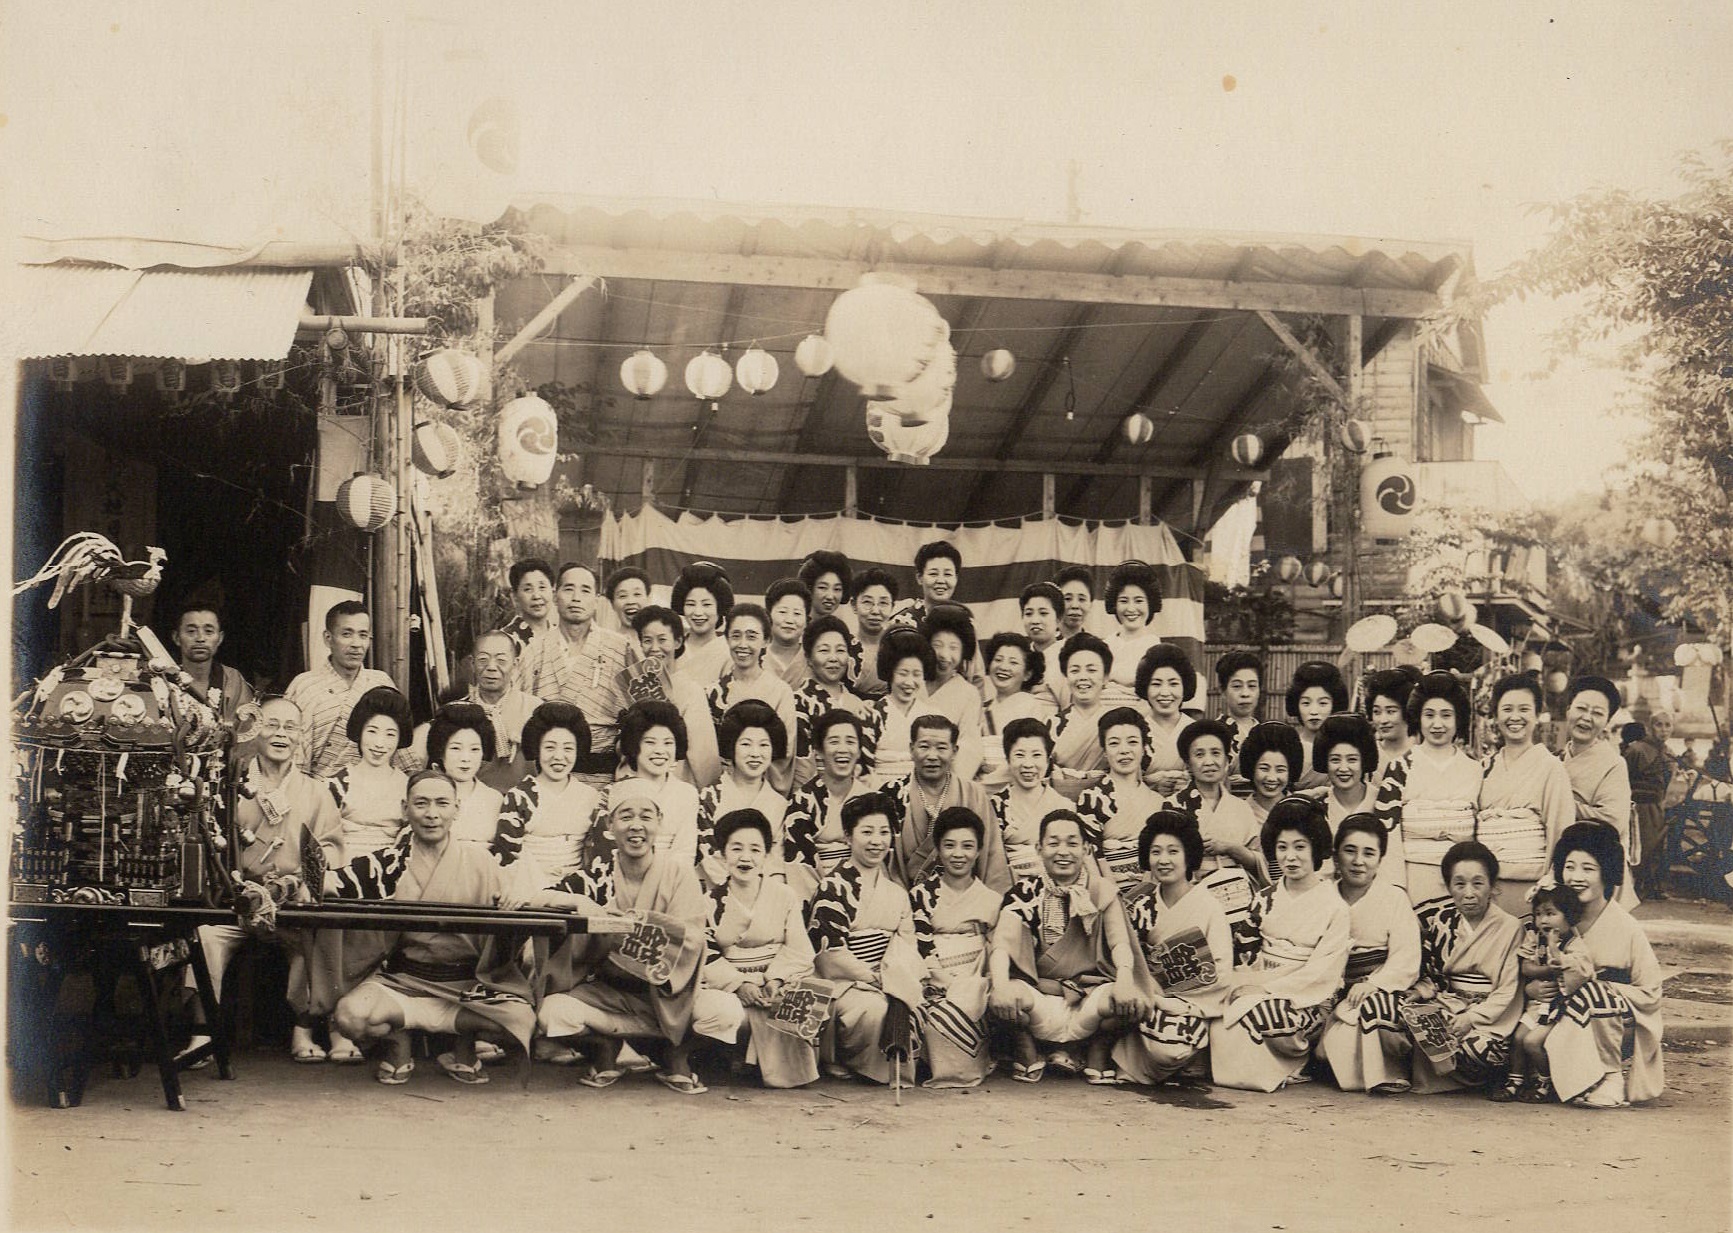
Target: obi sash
{"type": "Point", "coordinates": [831, 853]}
{"type": "Point", "coordinates": [1232, 888]}
{"type": "Point", "coordinates": [1470, 986]}
{"type": "Point", "coordinates": [1120, 858]}
{"type": "Point", "coordinates": [1518, 838]}
{"type": "Point", "coordinates": [555, 855]}
{"type": "Point", "coordinates": [869, 946]}
{"type": "Point", "coordinates": [1444, 822]}
{"type": "Point", "coordinates": [1183, 963]}
{"type": "Point", "coordinates": [1596, 1000]}
{"type": "Point", "coordinates": [752, 958]}
{"type": "Point", "coordinates": [1618, 976]}
{"type": "Point", "coordinates": [438, 973]}
{"type": "Point", "coordinates": [360, 837]}
{"type": "Point", "coordinates": [1362, 962]}
{"type": "Point", "coordinates": [1024, 860]}
{"type": "Point", "coordinates": [959, 953]}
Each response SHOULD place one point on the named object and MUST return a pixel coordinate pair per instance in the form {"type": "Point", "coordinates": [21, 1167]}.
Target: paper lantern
{"type": "Point", "coordinates": [1557, 682]}
{"type": "Point", "coordinates": [366, 502]}
{"type": "Point", "coordinates": [171, 376]}
{"type": "Point", "coordinates": [1532, 661]}
{"type": "Point", "coordinates": [226, 377]}
{"type": "Point", "coordinates": [450, 377]}
{"type": "Point", "coordinates": [434, 449]}
{"type": "Point", "coordinates": [1247, 449]}
{"type": "Point", "coordinates": [644, 374]}
{"type": "Point", "coordinates": [1317, 573]}
{"type": "Point", "coordinates": [1660, 533]}
{"type": "Point", "coordinates": [273, 376]}
{"type": "Point", "coordinates": [708, 376]}
{"type": "Point", "coordinates": [813, 357]}
{"type": "Point", "coordinates": [928, 397]}
{"type": "Point", "coordinates": [116, 370]}
{"type": "Point", "coordinates": [908, 441]}
{"type": "Point", "coordinates": [63, 371]}
{"type": "Point", "coordinates": [1338, 586]}
{"type": "Point", "coordinates": [998, 364]}
{"type": "Point", "coordinates": [882, 334]}
{"type": "Point", "coordinates": [756, 370]}
{"type": "Point", "coordinates": [1288, 569]}
{"type": "Point", "coordinates": [529, 434]}
{"type": "Point", "coordinates": [1454, 606]}
{"type": "Point", "coordinates": [1139, 429]}
{"type": "Point", "coordinates": [1356, 436]}
{"type": "Point", "coordinates": [1389, 494]}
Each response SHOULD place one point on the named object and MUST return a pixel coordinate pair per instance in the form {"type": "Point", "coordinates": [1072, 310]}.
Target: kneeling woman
{"type": "Point", "coordinates": [1364, 1043]}
{"type": "Point", "coordinates": [955, 913]}
{"type": "Point", "coordinates": [758, 945]}
{"type": "Point", "coordinates": [1281, 1000]}
{"type": "Point", "coordinates": [1469, 965]}
{"type": "Point", "coordinates": [1188, 946]}
{"type": "Point", "coordinates": [1064, 967]}
{"type": "Point", "coordinates": [863, 933]}
{"type": "Point", "coordinates": [1612, 993]}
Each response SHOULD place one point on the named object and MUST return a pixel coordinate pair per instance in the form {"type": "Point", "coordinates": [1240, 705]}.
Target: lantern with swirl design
{"type": "Point", "coordinates": [883, 334]}
{"type": "Point", "coordinates": [529, 437]}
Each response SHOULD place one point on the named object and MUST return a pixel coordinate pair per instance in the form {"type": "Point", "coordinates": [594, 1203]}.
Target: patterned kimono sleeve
{"type": "Point", "coordinates": [709, 809]}
{"type": "Point", "coordinates": [922, 900]}
{"type": "Point", "coordinates": [594, 880]}
{"type": "Point", "coordinates": [716, 697]}
{"type": "Point", "coordinates": [833, 910]}
{"type": "Point", "coordinates": [1435, 939]}
{"type": "Point", "coordinates": [1095, 807]}
{"type": "Point", "coordinates": [1249, 937]}
{"type": "Point", "coordinates": [1023, 904]}
{"type": "Point", "coordinates": [374, 875]}
{"type": "Point", "coordinates": [1392, 787]}
{"type": "Point", "coordinates": [514, 821]}
{"type": "Point", "coordinates": [718, 901]}
{"type": "Point", "coordinates": [856, 661]}
{"type": "Point", "coordinates": [805, 711]}
{"type": "Point", "coordinates": [800, 828]}
{"type": "Point", "coordinates": [338, 786]}
{"type": "Point", "coordinates": [896, 791]}
{"type": "Point", "coordinates": [872, 722]}
{"type": "Point", "coordinates": [1140, 920]}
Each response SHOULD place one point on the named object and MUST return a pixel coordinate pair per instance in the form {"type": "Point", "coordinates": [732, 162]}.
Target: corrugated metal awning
{"type": "Point", "coordinates": [156, 314]}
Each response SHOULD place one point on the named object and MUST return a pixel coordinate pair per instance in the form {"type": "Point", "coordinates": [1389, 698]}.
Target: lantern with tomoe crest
{"type": "Point", "coordinates": [529, 437]}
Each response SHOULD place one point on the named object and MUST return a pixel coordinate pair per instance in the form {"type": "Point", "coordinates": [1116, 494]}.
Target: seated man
{"type": "Point", "coordinates": [620, 986]}
{"type": "Point", "coordinates": [427, 981]}
{"type": "Point", "coordinates": [275, 805]}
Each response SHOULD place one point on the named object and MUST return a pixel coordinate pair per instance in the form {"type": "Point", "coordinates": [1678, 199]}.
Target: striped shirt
{"type": "Point", "coordinates": [587, 674]}
{"type": "Point", "coordinates": [326, 697]}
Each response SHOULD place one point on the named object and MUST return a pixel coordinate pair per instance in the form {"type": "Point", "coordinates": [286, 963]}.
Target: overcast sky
{"type": "Point", "coordinates": [1436, 122]}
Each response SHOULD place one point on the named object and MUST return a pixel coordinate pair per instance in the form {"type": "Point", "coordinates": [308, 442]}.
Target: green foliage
{"type": "Point", "coordinates": [1248, 617]}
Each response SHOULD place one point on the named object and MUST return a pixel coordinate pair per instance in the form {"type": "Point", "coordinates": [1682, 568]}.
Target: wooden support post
{"type": "Point", "coordinates": [1049, 507]}
{"type": "Point", "coordinates": [850, 491]}
{"type": "Point", "coordinates": [647, 488]}
{"type": "Point", "coordinates": [1354, 357]}
{"type": "Point", "coordinates": [1145, 497]}
{"type": "Point", "coordinates": [1197, 495]}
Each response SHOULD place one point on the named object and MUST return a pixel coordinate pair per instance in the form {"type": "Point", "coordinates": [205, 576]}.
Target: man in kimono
{"type": "Point", "coordinates": [925, 793]}
{"type": "Point", "coordinates": [508, 707]}
{"type": "Point", "coordinates": [1600, 780]}
{"type": "Point", "coordinates": [198, 635]}
{"type": "Point", "coordinates": [636, 980]}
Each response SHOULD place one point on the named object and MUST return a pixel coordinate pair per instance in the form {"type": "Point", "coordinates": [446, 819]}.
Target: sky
{"type": "Point", "coordinates": [1434, 122]}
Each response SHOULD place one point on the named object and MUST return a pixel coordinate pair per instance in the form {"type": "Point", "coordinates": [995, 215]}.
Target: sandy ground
{"type": "Point", "coordinates": [286, 1147]}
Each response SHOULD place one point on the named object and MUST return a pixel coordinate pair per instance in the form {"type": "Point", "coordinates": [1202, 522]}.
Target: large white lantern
{"type": "Point", "coordinates": [644, 374]}
{"type": "Point", "coordinates": [708, 376]}
{"type": "Point", "coordinates": [434, 449]}
{"type": "Point", "coordinates": [883, 334]}
{"type": "Point", "coordinates": [1389, 493]}
{"type": "Point", "coordinates": [998, 364]}
{"type": "Point", "coordinates": [366, 502]}
{"type": "Point", "coordinates": [450, 377]}
{"type": "Point", "coordinates": [814, 356]}
{"type": "Point", "coordinates": [529, 435]}
{"type": "Point", "coordinates": [756, 370]}
{"type": "Point", "coordinates": [1138, 428]}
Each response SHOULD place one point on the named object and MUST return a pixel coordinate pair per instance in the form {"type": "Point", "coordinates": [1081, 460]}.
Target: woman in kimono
{"type": "Point", "coordinates": [1429, 792]}
{"type": "Point", "coordinates": [1270, 759]}
{"type": "Point", "coordinates": [547, 818]}
{"type": "Point", "coordinates": [906, 663]}
{"type": "Point", "coordinates": [460, 742]}
{"type": "Point", "coordinates": [954, 914]}
{"type": "Point", "coordinates": [1064, 967]}
{"type": "Point", "coordinates": [748, 680]}
{"type": "Point", "coordinates": [1014, 669]}
{"type": "Point", "coordinates": [652, 745]}
{"type": "Point", "coordinates": [1525, 799]}
{"type": "Point", "coordinates": [369, 793]}
{"type": "Point", "coordinates": [751, 738]}
{"type": "Point", "coordinates": [1316, 692]}
{"type": "Point", "coordinates": [813, 840]}
{"type": "Point", "coordinates": [1365, 1044]}
{"type": "Point", "coordinates": [1346, 752]}
{"type": "Point", "coordinates": [1280, 1001]}
{"type": "Point", "coordinates": [825, 689]}
{"type": "Point", "coordinates": [1469, 966]}
{"type": "Point", "coordinates": [1078, 761]}
{"type": "Point", "coordinates": [1612, 993]}
{"type": "Point", "coordinates": [1386, 702]}
{"type": "Point", "coordinates": [1232, 866]}
{"type": "Point", "coordinates": [1240, 677]}
{"type": "Point", "coordinates": [757, 947]}
{"type": "Point", "coordinates": [1114, 810]}
{"type": "Point", "coordinates": [789, 604]}
{"type": "Point", "coordinates": [1133, 597]}
{"type": "Point", "coordinates": [863, 936]}
{"type": "Point", "coordinates": [950, 631]}
{"type": "Point", "coordinates": [1165, 679]}
{"type": "Point", "coordinates": [1018, 807]}
{"type": "Point", "coordinates": [703, 598]}
{"type": "Point", "coordinates": [426, 981]}
{"type": "Point", "coordinates": [1187, 946]}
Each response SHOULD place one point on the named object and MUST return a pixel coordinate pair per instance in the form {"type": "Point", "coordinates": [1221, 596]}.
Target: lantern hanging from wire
{"type": "Point", "coordinates": [998, 364]}
{"type": "Point", "coordinates": [1355, 435]}
{"type": "Point", "coordinates": [116, 370]}
{"type": "Point", "coordinates": [1557, 681]}
{"type": "Point", "coordinates": [450, 377]}
{"type": "Point", "coordinates": [708, 376]}
{"type": "Point", "coordinates": [1138, 428]}
{"type": "Point", "coordinates": [1317, 572]}
{"type": "Point", "coordinates": [756, 370]}
{"type": "Point", "coordinates": [273, 376]}
{"type": "Point", "coordinates": [643, 374]}
{"type": "Point", "coordinates": [883, 334]}
{"type": "Point", "coordinates": [171, 376]}
{"type": "Point", "coordinates": [1247, 449]}
{"type": "Point", "coordinates": [814, 356]}
{"type": "Point", "coordinates": [366, 502]}
{"type": "Point", "coordinates": [433, 448]}
{"type": "Point", "coordinates": [1289, 569]}
{"type": "Point", "coordinates": [225, 377]}
{"type": "Point", "coordinates": [1660, 533]}
{"type": "Point", "coordinates": [529, 435]}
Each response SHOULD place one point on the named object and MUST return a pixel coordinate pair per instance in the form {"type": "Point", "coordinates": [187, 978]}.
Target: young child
{"type": "Point", "coordinates": [1547, 936]}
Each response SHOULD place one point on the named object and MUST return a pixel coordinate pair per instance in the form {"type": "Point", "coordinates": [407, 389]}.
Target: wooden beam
{"type": "Point", "coordinates": [548, 315]}
{"type": "Point", "coordinates": [1048, 507]}
{"type": "Point", "coordinates": [1309, 361]}
{"type": "Point", "coordinates": [658, 265]}
{"type": "Point", "coordinates": [1378, 339]}
{"type": "Point", "coordinates": [850, 491]}
{"type": "Point", "coordinates": [647, 482]}
{"type": "Point", "coordinates": [873, 462]}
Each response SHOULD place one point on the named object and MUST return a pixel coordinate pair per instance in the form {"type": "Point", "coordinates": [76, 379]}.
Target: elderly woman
{"type": "Point", "coordinates": [955, 913]}
{"type": "Point", "coordinates": [1364, 1042]}
{"type": "Point", "coordinates": [1429, 792]}
{"type": "Point", "coordinates": [1114, 810]}
{"type": "Point", "coordinates": [1078, 761]}
{"type": "Point", "coordinates": [1018, 807]}
{"type": "Point", "coordinates": [1014, 669]}
{"type": "Point", "coordinates": [1525, 799]}
{"type": "Point", "coordinates": [1232, 866]}
{"type": "Point", "coordinates": [1165, 679]}
{"type": "Point", "coordinates": [1133, 596]}
{"type": "Point", "coordinates": [1187, 946]}
{"type": "Point", "coordinates": [1316, 692]}
{"type": "Point", "coordinates": [1469, 967]}
{"type": "Point", "coordinates": [1280, 1000]}
{"type": "Point", "coordinates": [1612, 993]}
{"type": "Point", "coordinates": [752, 739]}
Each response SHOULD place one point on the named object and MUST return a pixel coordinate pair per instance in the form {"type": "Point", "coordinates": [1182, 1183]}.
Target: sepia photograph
{"type": "Point", "coordinates": [875, 615]}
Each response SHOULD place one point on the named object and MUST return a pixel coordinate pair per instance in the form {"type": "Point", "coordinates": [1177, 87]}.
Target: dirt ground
{"type": "Point", "coordinates": [287, 1147]}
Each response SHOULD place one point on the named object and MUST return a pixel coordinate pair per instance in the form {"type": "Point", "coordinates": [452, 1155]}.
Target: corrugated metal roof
{"type": "Point", "coordinates": [155, 314]}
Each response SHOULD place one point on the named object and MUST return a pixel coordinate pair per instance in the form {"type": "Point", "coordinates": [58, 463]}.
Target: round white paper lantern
{"type": "Point", "coordinates": [814, 356]}
{"type": "Point", "coordinates": [529, 435]}
{"type": "Point", "coordinates": [1247, 449]}
{"type": "Point", "coordinates": [882, 334]}
{"type": "Point", "coordinates": [756, 370]}
{"type": "Point", "coordinates": [1139, 429]}
{"type": "Point", "coordinates": [998, 364]}
{"type": "Point", "coordinates": [450, 377]}
{"type": "Point", "coordinates": [643, 374]}
{"type": "Point", "coordinates": [434, 449]}
{"type": "Point", "coordinates": [366, 502]}
{"type": "Point", "coordinates": [708, 376]}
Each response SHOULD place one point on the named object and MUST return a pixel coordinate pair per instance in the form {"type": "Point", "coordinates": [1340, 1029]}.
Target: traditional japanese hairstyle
{"type": "Point", "coordinates": [1183, 827]}
{"type": "Point", "coordinates": [935, 550]}
{"type": "Point", "coordinates": [1166, 655]}
{"type": "Point", "coordinates": [1123, 717]}
{"type": "Point", "coordinates": [782, 588]}
{"type": "Point", "coordinates": [544, 719]}
{"type": "Point", "coordinates": [1232, 662]}
{"type": "Point", "coordinates": [1598, 841]}
{"type": "Point", "coordinates": [703, 576]}
{"type": "Point", "coordinates": [1201, 728]}
{"type": "Point", "coordinates": [1273, 738]}
{"type": "Point", "coordinates": [1598, 685]}
{"type": "Point", "coordinates": [1024, 729]}
{"type": "Point", "coordinates": [1396, 684]}
{"type": "Point", "coordinates": [958, 818]}
{"type": "Point", "coordinates": [1440, 687]}
{"type": "Point", "coordinates": [1034, 664]}
{"type": "Point", "coordinates": [1307, 817]}
{"type": "Point", "coordinates": [952, 619]}
{"type": "Point", "coordinates": [636, 722]}
{"type": "Point", "coordinates": [1319, 674]}
{"type": "Point", "coordinates": [380, 700]}
{"type": "Point", "coordinates": [867, 805]}
{"type": "Point", "coordinates": [900, 644]}
{"type": "Point", "coordinates": [1346, 729]}
{"type": "Point", "coordinates": [1525, 681]}
{"type": "Point", "coordinates": [1470, 850]}
{"type": "Point", "coordinates": [1085, 641]}
{"type": "Point", "coordinates": [820, 626]}
{"type": "Point", "coordinates": [455, 717]}
{"type": "Point", "coordinates": [752, 714]}
{"type": "Point", "coordinates": [1363, 824]}
{"type": "Point", "coordinates": [1133, 574]}
{"type": "Point", "coordinates": [740, 820]}
{"type": "Point", "coordinates": [823, 562]}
